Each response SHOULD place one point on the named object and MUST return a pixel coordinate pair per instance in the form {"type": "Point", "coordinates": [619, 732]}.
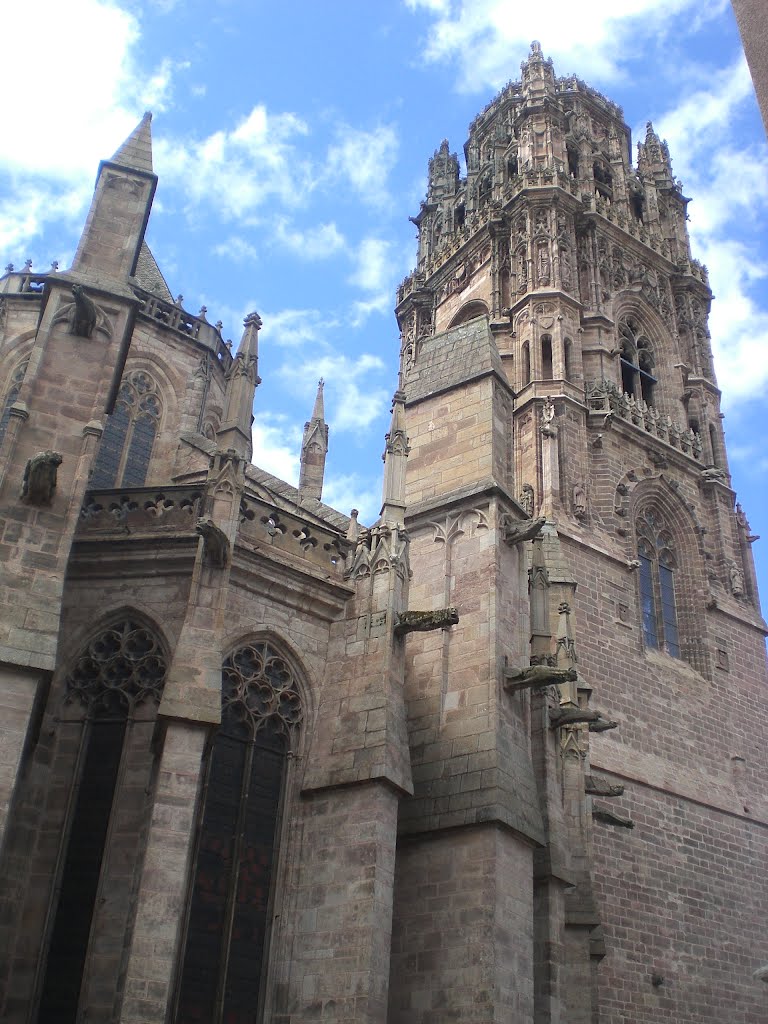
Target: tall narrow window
{"type": "Point", "coordinates": [129, 434]}
{"type": "Point", "coordinates": [636, 358]}
{"type": "Point", "coordinates": [655, 551]}
{"type": "Point", "coordinates": [13, 393]}
{"type": "Point", "coordinates": [546, 358]}
{"type": "Point", "coordinates": [122, 668]}
{"type": "Point", "coordinates": [227, 930]}
{"type": "Point", "coordinates": [526, 364]}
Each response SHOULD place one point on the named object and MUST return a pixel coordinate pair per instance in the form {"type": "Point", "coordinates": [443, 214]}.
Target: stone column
{"type": "Point", "coordinates": [165, 878]}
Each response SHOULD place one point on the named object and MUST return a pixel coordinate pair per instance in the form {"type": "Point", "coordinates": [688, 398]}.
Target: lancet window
{"type": "Point", "coordinates": [117, 680]}
{"type": "Point", "coordinates": [13, 393]}
{"type": "Point", "coordinates": [129, 434]}
{"type": "Point", "coordinates": [227, 929]}
{"type": "Point", "coordinates": [658, 565]}
{"type": "Point", "coordinates": [637, 361]}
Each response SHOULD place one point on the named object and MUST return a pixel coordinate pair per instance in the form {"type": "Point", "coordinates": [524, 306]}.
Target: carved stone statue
{"type": "Point", "coordinates": [736, 576]}
{"type": "Point", "coordinates": [39, 481]}
{"type": "Point", "coordinates": [424, 622]}
{"type": "Point", "coordinates": [526, 499]}
{"type": "Point", "coordinates": [514, 531]}
{"type": "Point", "coordinates": [579, 501]}
{"type": "Point", "coordinates": [548, 427]}
{"type": "Point", "coordinates": [215, 543]}
{"type": "Point", "coordinates": [83, 315]}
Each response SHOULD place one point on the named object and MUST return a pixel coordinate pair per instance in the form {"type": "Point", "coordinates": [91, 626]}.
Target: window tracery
{"type": "Point", "coordinates": [658, 563]}
{"type": "Point", "coordinates": [121, 668]}
{"type": "Point", "coordinates": [637, 361]}
{"type": "Point", "coordinates": [227, 931]}
{"type": "Point", "coordinates": [129, 434]}
{"type": "Point", "coordinates": [13, 393]}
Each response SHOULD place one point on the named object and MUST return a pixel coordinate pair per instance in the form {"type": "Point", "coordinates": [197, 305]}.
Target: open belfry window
{"type": "Point", "coordinates": [227, 929]}
{"type": "Point", "coordinates": [129, 434]}
{"type": "Point", "coordinates": [117, 681]}
{"type": "Point", "coordinates": [637, 361]}
{"type": "Point", "coordinates": [656, 554]}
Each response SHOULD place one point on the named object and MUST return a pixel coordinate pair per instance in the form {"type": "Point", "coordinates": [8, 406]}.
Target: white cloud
{"type": "Point", "coordinates": [238, 170]}
{"type": "Point", "coordinates": [373, 268]}
{"type": "Point", "coordinates": [314, 243]}
{"type": "Point", "coordinates": [349, 490]}
{"type": "Point", "coordinates": [294, 327]}
{"type": "Point", "coordinates": [353, 396]}
{"type": "Point", "coordinates": [480, 35]}
{"type": "Point", "coordinates": [364, 159]}
{"type": "Point", "coordinates": [237, 249]}
{"type": "Point", "coordinates": [277, 446]}
{"type": "Point", "coordinates": [85, 53]}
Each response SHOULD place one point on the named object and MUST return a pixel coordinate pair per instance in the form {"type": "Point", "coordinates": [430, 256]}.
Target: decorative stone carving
{"type": "Point", "coordinates": [548, 427]}
{"type": "Point", "coordinates": [83, 315]}
{"type": "Point", "coordinates": [424, 622]}
{"type": "Point", "coordinates": [121, 668]}
{"type": "Point", "coordinates": [596, 785]}
{"type": "Point", "coordinates": [736, 576]}
{"type": "Point", "coordinates": [526, 499]}
{"type": "Point", "coordinates": [515, 532]}
{"type": "Point", "coordinates": [609, 818]}
{"type": "Point", "coordinates": [536, 677]}
{"type": "Point", "coordinates": [215, 543]}
{"type": "Point", "coordinates": [579, 501]}
{"type": "Point", "coordinates": [39, 483]}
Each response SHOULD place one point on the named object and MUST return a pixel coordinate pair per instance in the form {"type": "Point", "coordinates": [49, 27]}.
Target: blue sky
{"type": "Point", "coordinates": [291, 142]}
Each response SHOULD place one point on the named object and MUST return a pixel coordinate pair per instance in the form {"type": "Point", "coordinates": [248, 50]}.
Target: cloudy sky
{"type": "Point", "coordinates": [292, 139]}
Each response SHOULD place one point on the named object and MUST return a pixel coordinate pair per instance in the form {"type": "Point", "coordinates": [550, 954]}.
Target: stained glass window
{"type": "Point", "coordinates": [121, 669]}
{"type": "Point", "coordinates": [655, 551]}
{"type": "Point", "coordinates": [129, 434]}
{"type": "Point", "coordinates": [227, 929]}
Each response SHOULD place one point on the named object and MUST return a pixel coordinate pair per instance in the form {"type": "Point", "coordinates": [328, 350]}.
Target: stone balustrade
{"type": "Point", "coordinates": [603, 396]}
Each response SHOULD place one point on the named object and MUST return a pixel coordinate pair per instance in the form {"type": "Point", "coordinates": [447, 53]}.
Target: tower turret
{"type": "Point", "coordinates": [125, 186]}
{"type": "Point", "coordinates": [242, 381]}
{"type": "Point", "coordinates": [314, 449]}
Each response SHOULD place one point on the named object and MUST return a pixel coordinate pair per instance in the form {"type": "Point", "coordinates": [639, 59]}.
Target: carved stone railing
{"type": "Point", "coordinates": [262, 526]}
{"type": "Point", "coordinates": [22, 282]}
{"type": "Point", "coordinates": [174, 318]}
{"type": "Point", "coordinates": [603, 396]}
{"type": "Point", "coordinates": [140, 510]}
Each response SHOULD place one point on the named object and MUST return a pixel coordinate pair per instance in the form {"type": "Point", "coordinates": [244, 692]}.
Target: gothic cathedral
{"type": "Point", "coordinates": [499, 756]}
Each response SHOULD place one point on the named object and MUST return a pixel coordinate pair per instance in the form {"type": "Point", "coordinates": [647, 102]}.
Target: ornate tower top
{"type": "Point", "coordinates": [314, 449]}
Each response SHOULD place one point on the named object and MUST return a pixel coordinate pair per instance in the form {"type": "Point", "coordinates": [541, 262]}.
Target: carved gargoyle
{"type": "Point", "coordinates": [83, 316]}
{"type": "Point", "coordinates": [537, 676]}
{"type": "Point", "coordinates": [596, 785]}
{"type": "Point", "coordinates": [609, 818]}
{"type": "Point", "coordinates": [423, 622]}
{"type": "Point", "coordinates": [215, 543]}
{"type": "Point", "coordinates": [513, 531]}
{"type": "Point", "coordinates": [561, 716]}
{"type": "Point", "coordinates": [39, 481]}
{"type": "Point", "coordinates": [601, 724]}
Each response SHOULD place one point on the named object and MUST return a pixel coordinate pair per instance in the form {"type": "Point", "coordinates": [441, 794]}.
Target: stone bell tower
{"type": "Point", "coordinates": [557, 364]}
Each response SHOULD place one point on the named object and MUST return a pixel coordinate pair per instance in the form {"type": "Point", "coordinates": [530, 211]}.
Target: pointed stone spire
{"type": "Point", "coordinates": [314, 448]}
{"type": "Point", "coordinates": [109, 247]}
{"type": "Point", "coordinates": [395, 457]}
{"type": "Point", "coordinates": [136, 151]}
{"type": "Point", "coordinates": [242, 381]}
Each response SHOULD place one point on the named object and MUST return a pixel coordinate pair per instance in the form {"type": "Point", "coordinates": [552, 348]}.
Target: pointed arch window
{"type": "Point", "coordinates": [658, 564]}
{"type": "Point", "coordinates": [129, 434]}
{"type": "Point", "coordinates": [119, 674]}
{"type": "Point", "coordinates": [13, 393]}
{"type": "Point", "coordinates": [637, 361]}
{"type": "Point", "coordinates": [546, 357]}
{"type": "Point", "coordinates": [227, 929]}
